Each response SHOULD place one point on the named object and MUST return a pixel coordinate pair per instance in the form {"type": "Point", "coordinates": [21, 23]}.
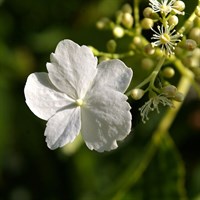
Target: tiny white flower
{"type": "Point", "coordinates": [152, 105]}
{"type": "Point", "coordinates": [165, 6]}
{"type": "Point", "coordinates": [79, 96]}
{"type": "Point", "coordinates": [166, 38]}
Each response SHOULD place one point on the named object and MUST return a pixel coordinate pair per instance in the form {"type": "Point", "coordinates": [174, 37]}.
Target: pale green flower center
{"type": "Point", "coordinates": [165, 9]}
{"type": "Point", "coordinates": [79, 102]}
{"type": "Point", "coordinates": [164, 38]}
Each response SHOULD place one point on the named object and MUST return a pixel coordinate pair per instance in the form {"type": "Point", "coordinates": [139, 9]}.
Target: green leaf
{"type": "Point", "coordinates": [164, 177]}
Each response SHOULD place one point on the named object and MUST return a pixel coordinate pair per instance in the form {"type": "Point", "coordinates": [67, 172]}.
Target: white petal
{"type": "Point", "coordinates": [106, 118]}
{"type": "Point", "coordinates": [43, 99]}
{"type": "Point", "coordinates": [63, 128]}
{"type": "Point", "coordinates": [114, 74]}
{"type": "Point", "coordinates": [72, 68]}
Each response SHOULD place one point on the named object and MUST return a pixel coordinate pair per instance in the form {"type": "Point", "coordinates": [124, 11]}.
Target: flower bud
{"type": "Point", "coordinates": [179, 97]}
{"type": "Point", "coordinates": [103, 23]}
{"type": "Point", "coordinates": [149, 49]}
{"type": "Point", "coordinates": [190, 44]}
{"type": "Point", "coordinates": [147, 12]}
{"type": "Point", "coordinates": [111, 46]}
{"type": "Point", "coordinates": [173, 20]}
{"type": "Point", "coordinates": [118, 32]}
{"type": "Point", "coordinates": [126, 8]}
{"type": "Point", "coordinates": [137, 41]}
{"type": "Point", "coordinates": [169, 91]}
{"type": "Point", "coordinates": [147, 63]}
{"type": "Point", "coordinates": [127, 20]}
{"type": "Point", "coordinates": [147, 23]}
{"type": "Point", "coordinates": [168, 72]}
{"type": "Point", "coordinates": [195, 34]}
{"type": "Point", "coordinates": [137, 93]}
{"type": "Point", "coordinates": [179, 5]}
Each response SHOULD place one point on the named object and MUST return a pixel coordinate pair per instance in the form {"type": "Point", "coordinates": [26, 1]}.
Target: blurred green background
{"type": "Point", "coordinates": [29, 32]}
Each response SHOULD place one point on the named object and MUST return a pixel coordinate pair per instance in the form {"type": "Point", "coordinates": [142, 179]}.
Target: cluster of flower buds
{"type": "Point", "coordinates": [123, 20]}
{"type": "Point", "coordinates": [164, 13]}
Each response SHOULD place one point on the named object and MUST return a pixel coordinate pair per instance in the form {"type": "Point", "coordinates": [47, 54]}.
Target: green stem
{"type": "Point", "coordinates": [137, 16]}
{"type": "Point", "coordinates": [114, 55]}
{"type": "Point", "coordinates": [151, 78]}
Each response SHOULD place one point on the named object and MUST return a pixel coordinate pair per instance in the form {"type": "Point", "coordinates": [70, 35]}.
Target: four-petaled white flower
{"type": "Point", "coordinates": [166, 38]}
{"type": "Point", "coordinates": [166, 6]}
{"type": "Point", "coordinates": [77, 96]}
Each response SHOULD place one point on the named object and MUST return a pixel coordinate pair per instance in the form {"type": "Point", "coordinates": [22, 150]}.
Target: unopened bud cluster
{"type": "Point", "coordinates": [123, 20]}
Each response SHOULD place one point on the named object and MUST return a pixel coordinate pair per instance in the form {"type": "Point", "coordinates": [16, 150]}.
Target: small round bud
{"type": "Point", "coordinates": [179, 5]}
{"type": "Point", "coordinates": [147, 23]}
{"type": "Point", "coordinates": [127, 20]}
{"type": "Point", "coordinates": [137, 41]}
{"type": "Point", "coordinates": [193, 60]}
{"type": "Point", "coordinates": [111, 46]}
{"type": "Point", "coordinates": [147, 12]}
{"type": "Point", "coordinates": [103, 23]}
{"type": "Point", "coordinates": [126, 8]}
{"type": "Point", "coordinates": [197, 11]}
{"type": "Point", "coordinates": [168, 72]}
{"type": "Point", "coordinates": [195, 34]}
{"type": "Point", "coordinates": [118, 32]}
{"type": "Point", "coordinates": [173, 20]}
{"type": "Point", "coordinates": [190, 44]}
{"type": "Point", "coordinates": [149, 49]}
{"type": "Point", "coordinates": [137, 93]}
{"type": "Point", "coordinates": [179, 97]}
{"type": "Point", "coordinates": [147, 63]}
{"type": "Point", "coordinates": [169, 91]}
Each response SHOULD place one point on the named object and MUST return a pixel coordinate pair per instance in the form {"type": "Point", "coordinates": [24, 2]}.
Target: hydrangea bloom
{"type": "Point", "coordinates": [77, 95]}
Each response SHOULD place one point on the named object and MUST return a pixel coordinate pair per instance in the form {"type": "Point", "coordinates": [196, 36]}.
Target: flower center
{"type": "Point", "coordinates": [165, 9]}
{"type": "Point", "coordinates": [164, 38]}
{"type": "Point", "coordinates": [79, 102]}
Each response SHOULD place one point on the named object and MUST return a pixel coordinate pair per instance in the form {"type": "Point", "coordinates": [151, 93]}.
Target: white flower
{"type": "Point", "coordinates": [152, 105]}
{"type": "Point", "coordinates": [166, 38]}
{"type": "Point", "coordinates": [166, 6]}
{"type": "Point", "coordinates": [77, 96]}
